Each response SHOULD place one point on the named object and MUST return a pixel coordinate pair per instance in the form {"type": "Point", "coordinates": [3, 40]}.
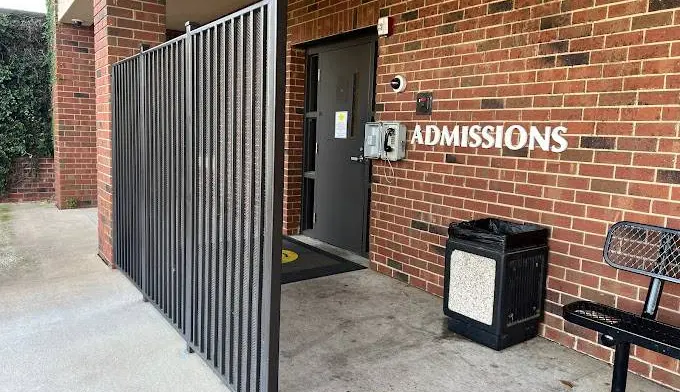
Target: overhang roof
{"type": "Point", "coordinates": [177, 11]}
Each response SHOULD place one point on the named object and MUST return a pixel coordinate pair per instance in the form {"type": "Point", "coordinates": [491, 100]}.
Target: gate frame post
{"type": "Point", "coordinates": [278, 22]}
{"type": "Point", "coordinates": [189, 180]}
{"type": "Point", "coordinates": [143, 137]}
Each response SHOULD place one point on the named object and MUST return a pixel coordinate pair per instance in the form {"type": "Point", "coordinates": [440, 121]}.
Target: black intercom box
{"type": "Point", "coordinates": [424, 103]}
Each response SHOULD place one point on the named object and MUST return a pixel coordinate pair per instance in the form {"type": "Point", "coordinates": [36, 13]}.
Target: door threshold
{"type": "Point", "coordinates": [331, 249]}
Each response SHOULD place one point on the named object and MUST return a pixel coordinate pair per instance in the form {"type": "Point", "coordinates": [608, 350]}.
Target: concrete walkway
{"type": "Point", "coordinates": [362, 331]}
{"type": "Point", "coordinates": [68, 323]}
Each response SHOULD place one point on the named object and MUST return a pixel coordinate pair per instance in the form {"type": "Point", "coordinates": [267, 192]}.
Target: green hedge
{"type": "Point", "coordinates": [25, 90]}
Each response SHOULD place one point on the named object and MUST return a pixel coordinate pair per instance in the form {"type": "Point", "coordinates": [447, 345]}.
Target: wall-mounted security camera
{"type": "Point", "coordinates": [77, 22]}
{"type": "Point", "coordinates": [398, 84]}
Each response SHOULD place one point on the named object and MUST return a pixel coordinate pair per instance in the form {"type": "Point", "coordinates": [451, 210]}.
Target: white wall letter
{"type": "Point", "coordinates": [432, 135]}
{"type": "Point", "coordinates": [464, 136]}
{"type": "Point", "coordinates": [452, 138]}
{"type": "Point", "coordinates": [543, 141]}
{"type": "Point", "coordinates": [499, 136]}
{"type": "Point", "coordinates": [521, 142]}
{"type": "Point", "coordinates": [474, 135]}
{"type": "Point", "coordinates": [417, 136]}
{"type": "Point", "coordinates": [487, 136]}
{"type": "Point", "coordinates": [559, 139]}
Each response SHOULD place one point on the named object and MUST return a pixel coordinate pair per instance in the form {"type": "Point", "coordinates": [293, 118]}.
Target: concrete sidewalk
{"type": "Point", "coordinates": [362, 331]}
{"type": "Point", "coordinates": [69, 323]}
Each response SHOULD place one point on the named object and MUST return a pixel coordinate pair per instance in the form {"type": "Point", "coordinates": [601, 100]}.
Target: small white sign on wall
{"type": "Point", "coordinates": [341, 124]}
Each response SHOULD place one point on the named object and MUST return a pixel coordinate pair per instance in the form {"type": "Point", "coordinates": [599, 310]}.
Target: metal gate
{"type": "Point", "coordinates": [197, 177]}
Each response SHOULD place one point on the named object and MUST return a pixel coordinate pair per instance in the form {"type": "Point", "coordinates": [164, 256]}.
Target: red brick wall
{"type": "Point", "coordinates": [119, 30]}
{"type": "Point", "coordinates": [30, 181]}
{"type": "Point", "coordinates": [73, 108]}
{"type": "Point", "coordinates": [608, 70]}
{"type": "Point", "coordinates": [292, 171]}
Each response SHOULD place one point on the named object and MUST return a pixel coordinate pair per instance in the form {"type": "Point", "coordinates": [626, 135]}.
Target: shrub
{"type": "Point", "coordinates": [25, 90]}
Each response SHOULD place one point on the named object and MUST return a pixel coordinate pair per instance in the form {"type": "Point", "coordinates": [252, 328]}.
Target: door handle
{"type": "Point", "coordinates": [359, 158]}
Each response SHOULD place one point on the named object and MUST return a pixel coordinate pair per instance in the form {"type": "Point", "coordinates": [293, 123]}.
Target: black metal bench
{"type": "Point", "coordinates": [647, 250]}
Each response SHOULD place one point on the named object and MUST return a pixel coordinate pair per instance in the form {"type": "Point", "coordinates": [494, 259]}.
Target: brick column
{"type": "Point", "coordinates": [119, 30]}
{"type": "Point", "coordinates": [73, 106]}
{"type": "Point", "coordinates": [295, 92]}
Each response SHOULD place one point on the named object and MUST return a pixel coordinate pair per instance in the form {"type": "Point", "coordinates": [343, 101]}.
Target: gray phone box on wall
{"type": "Point", "coordinates": [385, 140]}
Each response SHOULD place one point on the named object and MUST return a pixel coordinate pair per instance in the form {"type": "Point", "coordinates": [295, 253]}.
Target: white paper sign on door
{"type": "Point", "coordinates": [341, 125]}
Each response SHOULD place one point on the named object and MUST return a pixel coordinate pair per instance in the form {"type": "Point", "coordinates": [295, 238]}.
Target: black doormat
{"type": "Point", "coordinates": [302, 262]}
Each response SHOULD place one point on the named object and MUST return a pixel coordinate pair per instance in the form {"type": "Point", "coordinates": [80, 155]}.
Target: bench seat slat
{"type": "Point", "coordinates": [625, 326]}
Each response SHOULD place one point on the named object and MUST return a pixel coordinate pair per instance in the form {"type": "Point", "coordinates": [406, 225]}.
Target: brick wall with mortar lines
{"type": "Point", "coordinates": [120, 27]}
{"type": "Point", "coordinates": [30, 181]}
{"type": "Point", "coordinates": [295, 90]}
{"type": "Point", "coordinates": [608, 70]}
{"type": "Point", "coordinates": [73, 108]}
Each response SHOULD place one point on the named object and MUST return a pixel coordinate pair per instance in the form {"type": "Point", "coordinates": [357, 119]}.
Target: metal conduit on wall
{"type": "Point", "coordinates": [197, 160]}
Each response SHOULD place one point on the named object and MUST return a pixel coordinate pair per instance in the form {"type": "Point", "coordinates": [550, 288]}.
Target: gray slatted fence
{"type": "Point", "coordinates": [197, 175]}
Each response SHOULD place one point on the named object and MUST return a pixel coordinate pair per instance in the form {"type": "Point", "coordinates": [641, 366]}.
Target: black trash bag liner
{"type": "Point", "coordinates": [490, 230]}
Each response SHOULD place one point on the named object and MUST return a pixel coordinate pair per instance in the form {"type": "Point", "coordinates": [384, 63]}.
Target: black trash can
{"type": "Point", "coordinates": [494, 283]}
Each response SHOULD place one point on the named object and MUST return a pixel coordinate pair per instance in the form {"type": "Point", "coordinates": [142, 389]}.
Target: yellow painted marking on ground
{"type": "Point", "coordinates": [288, 256]}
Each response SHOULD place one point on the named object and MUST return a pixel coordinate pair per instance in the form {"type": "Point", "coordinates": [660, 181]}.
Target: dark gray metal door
{"type": "Point", "coordinates": [342, 182]}
{"type": "Point", "coordinates": [197, 185]}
